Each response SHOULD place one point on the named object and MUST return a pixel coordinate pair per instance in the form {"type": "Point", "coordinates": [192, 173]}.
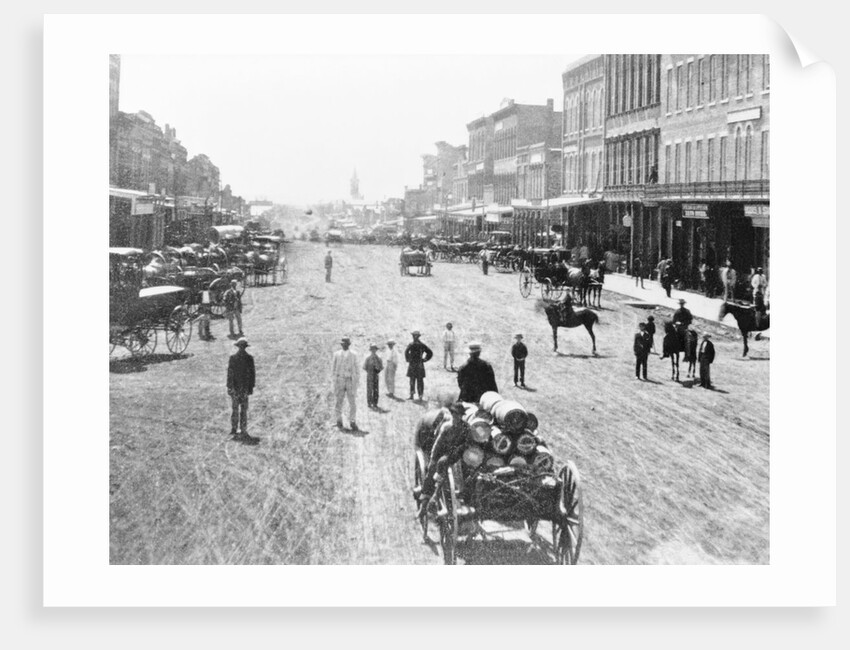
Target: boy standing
{"type": "Point", "coordinates": [391, 363]}
{"type": "Point", "coordinates": [641, 349]}
{"type": "Point", "coordinates": [373, 367]}
{"type": "Point", "coordinates": [448, 347]}
{"type": "Point", "coordinates": [519, 352]}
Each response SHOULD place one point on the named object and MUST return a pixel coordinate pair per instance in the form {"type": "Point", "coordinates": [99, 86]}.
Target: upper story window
{"type": "Point", "coordinates": [712, 77]}
{"type": "Point", "coordinates": [700, 81]}
{"type": "Point", "coordinates": [669, 90]}
{"type": "Point", "coordinates": [765, 71]}
{"type": "Point", "coordinates": [724, 76]}
{"type": "Point", "coordinates": [690, 83]}
{"type": "Point", "coordinates": [679, 82]}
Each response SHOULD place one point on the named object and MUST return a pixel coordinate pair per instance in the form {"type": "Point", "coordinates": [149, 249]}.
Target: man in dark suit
{"type": "Point", "coordinates": [417, 355]}
{"type": "Point", "coordinates": [643, 343]}
{"type": "Point", "coordinates": [240, 384]}
{"type": "Point", "coordinates": [475, 377]}
{"type": "Point", "coordinates": [705, 358]}
{"type": "Point", "coordinates": [519, 352]}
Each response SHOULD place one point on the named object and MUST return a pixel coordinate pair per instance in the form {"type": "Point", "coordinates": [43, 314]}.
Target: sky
{"type": "Point", "coordinates": [292, 129]}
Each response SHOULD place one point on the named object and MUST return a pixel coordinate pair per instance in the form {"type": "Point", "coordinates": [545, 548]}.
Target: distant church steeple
{"type": "Point", "coordinates": [355, 186]}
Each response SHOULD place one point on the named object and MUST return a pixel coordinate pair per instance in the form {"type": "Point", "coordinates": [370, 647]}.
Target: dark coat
{"type": "Point", "coordinates": [475, 378]}
{"type": "Point", "coordinates": [706, 352]}
{"type": "Point", "coordinates": [683, 315]}
{"type": "Point", "coordinates": [643, 342]}
{"type": "Point", "coordinates": [240, 373]}
{"type": "Point", "coordinates": [691, 344]}
{"type": "Point", "coordinates": [519, 351]}
{"type": "Point", "coordinates": [416, 355]}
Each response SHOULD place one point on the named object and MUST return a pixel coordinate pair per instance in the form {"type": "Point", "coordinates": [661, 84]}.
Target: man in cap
{"type": "Point", "coordinates": [417, 355]}
{"type": "Point", "coordinates": [240, 384]}
{"type": "Point", "coordinates": [390, 366]}
{"type": "Point", "coordinates": [705, 358]}
{"type": "Point", "coordinates": [476, 376]}
{"type": "Point", "coordinates": [329, 265]}
{"type": "Point", "coordinates": [345, 373]}
{"type": "Point", "coordinates": [373, 367]}
{"type": "Point", "coordinates": [448, 346]}
{"type": "Point", "coordinates": [519, 352]}
{"type": "Point", "coordinates": [233, 307]}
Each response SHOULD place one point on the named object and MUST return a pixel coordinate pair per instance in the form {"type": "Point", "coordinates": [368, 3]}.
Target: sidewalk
{"type": "Point", "coordinates": [700, 306]}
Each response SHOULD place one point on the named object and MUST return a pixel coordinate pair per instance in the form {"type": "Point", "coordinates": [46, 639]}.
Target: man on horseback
{"type": "Point", "coordinates": [682, 318]}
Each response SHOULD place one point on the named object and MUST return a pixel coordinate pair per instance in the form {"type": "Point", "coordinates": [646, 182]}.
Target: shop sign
{"type": "Point", "coordinates": [695, 210]}
{"type": "Point", "coordinates": [143, 207]}
{"type": "Point", "coordinates": [757, 210]}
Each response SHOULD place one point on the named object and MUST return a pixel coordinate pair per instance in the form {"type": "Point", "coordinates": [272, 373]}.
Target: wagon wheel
{"type": "Point", "coordinates": [526, 283]}
{"type": "Point", "coordinates": [547, 289]}
{"type": "Point", "coordinates": [448, 521]}
{"type": "Point", "coordinates": [217, 304]}
{"type": "Point", "coordinates": [568, 524]}
{"type": "Point", "coordinates": [418, 478]}
{"type": "Point", "coordinates": [141, 341]}
{"type": "Point", "coordinates": [178, 330]}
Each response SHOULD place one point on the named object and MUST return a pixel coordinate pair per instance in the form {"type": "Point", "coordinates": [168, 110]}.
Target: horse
{"type": "Point", "coordinates": [671, 347]}
{"type": "Point", "coordinates": [562, 314]}
{"type": "Point", "coordinates": [594, 287]}
{"type": "Point", "coordinates": [576, 279]}
{"type": "Point", "coordinates": [745, 316]}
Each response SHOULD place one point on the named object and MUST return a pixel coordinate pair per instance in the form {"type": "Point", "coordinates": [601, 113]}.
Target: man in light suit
{"type": "Point", "coordinates": [346, 372]}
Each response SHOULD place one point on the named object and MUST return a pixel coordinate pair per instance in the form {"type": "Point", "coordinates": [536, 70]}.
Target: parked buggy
{"type": "Point", "coordinates": [137, 314]}
{"type": "Point", "coordinates": [546, 268]}
{"type": "Point", "coordinates": [415, 259]}
{"type": "Point", "coordinates": [469, 491]}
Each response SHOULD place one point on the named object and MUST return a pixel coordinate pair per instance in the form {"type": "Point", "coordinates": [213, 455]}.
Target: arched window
{"type": "Point", "coordinates": [748, 152]}
{"type": "Point", "coordinates": [739, 154]}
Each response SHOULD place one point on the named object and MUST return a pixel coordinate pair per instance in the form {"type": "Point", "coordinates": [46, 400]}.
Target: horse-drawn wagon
{"type": "Point", "coordinates": [137, 313]}
{"type": "Point", "coordinates": [548, 269]}
{"type": "Point", "coordinates": [269, 263]}
{"type": "Point", "coordinates": [413, 258]}
{"type": "Point", "coordinates": [499, 471]}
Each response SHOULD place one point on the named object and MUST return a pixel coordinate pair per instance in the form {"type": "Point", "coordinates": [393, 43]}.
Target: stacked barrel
{"type": "Point", "coordinates": [502, 433]}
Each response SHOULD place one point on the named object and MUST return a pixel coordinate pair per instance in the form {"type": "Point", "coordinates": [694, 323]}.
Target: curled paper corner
{"type": "Point", "coordinates": [794, 47]}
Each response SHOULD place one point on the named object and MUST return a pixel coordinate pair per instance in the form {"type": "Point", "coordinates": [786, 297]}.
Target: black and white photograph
{"type": "Point", "coordinates": [542, 339]}
{"type": "Point", "coordinates": [378, 302]}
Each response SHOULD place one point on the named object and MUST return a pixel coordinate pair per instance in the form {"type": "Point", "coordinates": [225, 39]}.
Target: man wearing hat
{"type": "Point", "coordinates": [705, 358]}
{"type": "Point", "coordinates": [373, 367]}
{"type": "Point", "coordinates": [448, 346]}
{"type": "Point", "coordinates": [417, 355]}
{"type": "Point", "coordinates": [682, 319]}
{"type": "Point", "coordinates": [345, 373]}
{"type": "Point", "coordinates": [519, 352]}
{"type": "Point", "coordinates": [329, 265]}
{"type": "Point", "coordinates": [390, 365]}
{"type": "Point", "coordinates": [475, 377]}
{"type": "Point", "coordinates": [730, 280]}
{"type": "Point", "coordinates": [240, 384]}
{"type": "Point", "coordinates": [233, 307]}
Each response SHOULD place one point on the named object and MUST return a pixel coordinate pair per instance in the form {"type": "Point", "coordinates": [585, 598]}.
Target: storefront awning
{"type": "Point", "coordinates": [428, 217]}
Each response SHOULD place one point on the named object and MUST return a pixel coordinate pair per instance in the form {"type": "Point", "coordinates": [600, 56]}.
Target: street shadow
{"type": "Point", "coordinates": [528, 389]}
{"type": "Point", "coordinates": [651, 381]}
{"type": "Point", "coordinates": [360, 433]}
{"type": "Point", "coordinates": [127, 365]}
{"type": "Point", "coordinates": [378, 409]}
{"type": "Point", "coordinates": [713, 390]}
{"type": "Point", "coordinates": [573, 355]}
{"type": "Point", "coordinates": [396, 399]}
{"type": "Point", "coordinates": [752, 358]}
{"type": "Point", "coordinates": [249, 441]}
{"type": "Point", "coordinates": [501, 551]}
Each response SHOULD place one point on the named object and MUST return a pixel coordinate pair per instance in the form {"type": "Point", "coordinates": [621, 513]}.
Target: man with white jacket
{"type": "Point", "coordinates": [346, 372]}
{"type": "Point", "coordinates": [390, 365]}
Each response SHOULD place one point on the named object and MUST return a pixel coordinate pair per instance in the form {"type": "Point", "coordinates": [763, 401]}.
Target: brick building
{"type": "Point", "coordinates": [713, 190]}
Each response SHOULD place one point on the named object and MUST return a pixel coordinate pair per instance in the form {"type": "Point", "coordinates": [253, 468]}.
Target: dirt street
{"type": "Point", "coordinates": [670, 475]}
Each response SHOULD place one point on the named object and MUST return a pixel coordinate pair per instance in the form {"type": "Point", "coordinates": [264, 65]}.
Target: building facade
{"type": "Point", "coordinates": [713, 190]}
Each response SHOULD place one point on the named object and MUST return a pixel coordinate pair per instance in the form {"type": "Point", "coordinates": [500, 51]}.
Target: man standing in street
{"type": "Point", "coordinates": [204, 316]}
{"type": "Point", "coordinates": [637, 272]}
{"type": "Point", "coordinates": [641, 349]}
{"type": "Point", "coordinates": [475, 377]}
{"type": "Point", "coordinates": [485, 260]}
{"type": "Point", "coordinates": [705, 358]}
{"type": "Point", "coordinates": [417, 355]}
{"type": "Point", "coordinates": [240, 384]}
{"type": "Point", "coordinates": [390, 364]}
{"type": "Point", "coordinates": [329, 264]}
{"type": "Point", "coordinates": [448, 346]}
{"type": "Point", "coordinates": [345, 373]}
{"type": "Point", "coordinates": [233, 307]}
{"type": "Point", "coordinates": [373, 367]}
{"type": "Point", "coordinates": [519, 352]}
{"type": "Point", "coordinates": [730, 279]}
{"type": "Point", "coordinates": [759, 285]}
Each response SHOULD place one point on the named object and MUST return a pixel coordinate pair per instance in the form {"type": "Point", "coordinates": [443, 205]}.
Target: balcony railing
{"type": "Point", "coordinates": [753, 189]}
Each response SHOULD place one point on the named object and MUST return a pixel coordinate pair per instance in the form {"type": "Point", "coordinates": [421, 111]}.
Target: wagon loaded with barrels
{"type": "Point", "coordinates": [497, 467]}
{"type": "Point", "coordinates": [412, 258]}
